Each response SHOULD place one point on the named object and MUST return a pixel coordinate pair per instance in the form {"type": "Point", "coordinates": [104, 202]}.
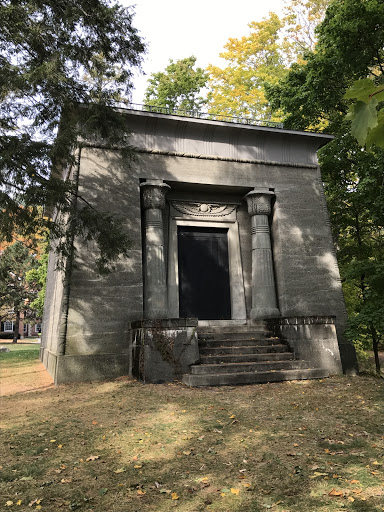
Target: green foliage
{"type": "Point", "coordinates": [314, 94]}
{"type": "Point", "coordinates": [178, 87]}
{"type": "Point", "coordinates": [350, 46]}
{"type": "Point", "coordinates": [55, 56]}
{"type": "Point", "coordinates": [367, 121]}
{"type": "Point", "coordinates": [16, 293]}
{"type": "Point", "coordinates": [37, 277]}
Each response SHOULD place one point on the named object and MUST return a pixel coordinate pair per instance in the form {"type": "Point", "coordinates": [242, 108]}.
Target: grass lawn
{"type": "Point", "coordinates": [123, 446]}
{"type": "Point", "coordinates": [20, 353]}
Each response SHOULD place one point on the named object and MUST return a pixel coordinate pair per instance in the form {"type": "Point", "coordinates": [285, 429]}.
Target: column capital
{"type": "Point", "coordinates": [154, 192]}
{"type": "Point", "coordinates": [259, 201]}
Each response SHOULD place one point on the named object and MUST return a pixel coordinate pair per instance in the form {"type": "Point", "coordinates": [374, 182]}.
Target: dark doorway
{"type": "Point", "coordinates": [204, 291]}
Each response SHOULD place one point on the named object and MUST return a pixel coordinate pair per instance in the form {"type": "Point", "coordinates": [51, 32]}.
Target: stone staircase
{"type": "Point", "coordinates": [242, 354]}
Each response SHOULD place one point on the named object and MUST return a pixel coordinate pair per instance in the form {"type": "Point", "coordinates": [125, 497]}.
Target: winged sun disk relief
{"type": "Point", "coordinates": [204, 209]}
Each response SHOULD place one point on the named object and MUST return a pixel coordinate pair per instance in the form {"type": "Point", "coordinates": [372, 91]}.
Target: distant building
{"type": "Point", "coordinates": [26, 330]}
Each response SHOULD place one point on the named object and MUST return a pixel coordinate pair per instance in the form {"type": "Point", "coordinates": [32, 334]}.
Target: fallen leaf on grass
{"type": "Point", "coordinates": [121, 470]}
{"type": "Point", "coordinates": [174, 496]}
{"type": "Point", "coordinates": [317, 474]}
{"type": "Point", "coordinates": [34, 502]}
{"type": "Point", "coordinates": [350, 499]}
{"type": "Point", "coordinates": [354, 481]}
{"type": "Point", "coordinates": [138, 466]}
{"type": "Point", "coordinates": [9, 503]}
{"type": "Point", "coordinates": [334, 492]}
{"type": "Point", "coordinates": [92, 457]}
{"type": "Point", "coordinates": [356, 491]}
{"type": "Point", "coordinates": [187, 452]}
{"type": "Point", "coordinates": [66, 480]}
{"type": "Point", "coordinates": [19, 502]}
{"type": "Point", "coordinates": [140, 492]}
{"type": "Point", "coordinates": [235, 491]}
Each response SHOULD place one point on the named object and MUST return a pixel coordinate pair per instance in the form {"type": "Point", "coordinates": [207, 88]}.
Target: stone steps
{"type": "Point", "coordinates": [251, 358]}
{"type": "Point", "coordinates": [200, 369]}
{"type": "Point", "coordinates": [235, 336]}
{"type": "Point", "coordinates": [233, 379]}
{"type": "Point", "coordinates": [247, 349]}
{"type": "Point", "coordinates": [231, 356]}
{"type": "Point", "coordinates": [254, 342]}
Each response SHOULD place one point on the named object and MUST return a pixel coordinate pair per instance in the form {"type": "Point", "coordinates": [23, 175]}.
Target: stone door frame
{"type": "Point", "coordinates": [236, 281]}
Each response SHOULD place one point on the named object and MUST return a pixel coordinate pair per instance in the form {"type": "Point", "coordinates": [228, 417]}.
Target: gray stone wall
{"type": "Point", "coordinates": [50, 339]}
{"type": "Point", "coordinates": [101, 307]}
{"type": "Point", "coordinates": [244, 220]}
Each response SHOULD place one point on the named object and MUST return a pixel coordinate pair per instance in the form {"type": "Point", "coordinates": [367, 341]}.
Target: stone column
{"type": "Point", "coordinates": [264, 303]}
{"type": "Point", "coordinates": [155, 285]}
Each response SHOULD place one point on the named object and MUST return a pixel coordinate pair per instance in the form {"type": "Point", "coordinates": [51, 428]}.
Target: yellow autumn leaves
{"type": "Point", "coordinates": [263, 56]}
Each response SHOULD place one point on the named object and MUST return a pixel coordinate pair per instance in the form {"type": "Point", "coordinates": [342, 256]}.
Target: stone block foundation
{"type": "Point", "coordinates": [311, 338]}
{"type": "Point", "coordinates": [163, 349]}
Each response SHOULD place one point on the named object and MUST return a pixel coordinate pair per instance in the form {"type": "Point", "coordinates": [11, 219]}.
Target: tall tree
{"type": "Point", "coordinates": [178, 87]}
{"type": "Point", "coordinates": [36, 277]}
{"type": "Point", "coordinates": [261, 57]}
{"type": "Point", "coordinates": [48, 51]}
{"type": "Point", "coordinates": [237, 90]}
{"type": "Point", "coordinates": [15, 291]}
{"type": "Point", "coordinates": [350, 47]}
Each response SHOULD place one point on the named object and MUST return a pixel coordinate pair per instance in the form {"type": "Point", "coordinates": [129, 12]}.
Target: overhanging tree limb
{"type": "Point", "coordinates": [56, 55]}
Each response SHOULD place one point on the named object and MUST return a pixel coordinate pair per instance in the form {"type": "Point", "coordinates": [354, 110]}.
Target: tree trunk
{"type": "Point", "coordinates": [17, 326]}
{"type": "Point", "coordinates": [375, 346]}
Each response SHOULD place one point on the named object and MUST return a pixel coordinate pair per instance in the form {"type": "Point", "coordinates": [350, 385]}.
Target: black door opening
{"type": "Point", "coordinates": [204, 290]}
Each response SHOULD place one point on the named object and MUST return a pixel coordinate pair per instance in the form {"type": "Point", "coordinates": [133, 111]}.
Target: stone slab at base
{"type": "Point", "coordinates": [163, 349]}
{"type": "Point", "coordinates": [311, 338]}
{"type": "Point", "coordinates": [85, 368]}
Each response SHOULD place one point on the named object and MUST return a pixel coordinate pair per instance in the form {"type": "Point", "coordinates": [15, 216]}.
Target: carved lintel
{"type": "Point", "coordinates": [203, 209]}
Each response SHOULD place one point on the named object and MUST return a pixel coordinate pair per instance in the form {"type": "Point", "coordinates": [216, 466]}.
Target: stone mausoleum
{"type": "Point", "coordinates": [231, 276]}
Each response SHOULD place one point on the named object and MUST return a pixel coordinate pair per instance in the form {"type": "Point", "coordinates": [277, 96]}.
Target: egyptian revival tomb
{"type": "Point", "coordinates": [231, 276]}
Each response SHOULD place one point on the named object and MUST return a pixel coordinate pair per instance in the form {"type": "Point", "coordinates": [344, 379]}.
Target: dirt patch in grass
{"type": "Point", "coordinates": [21, 371]}
{"type": "Point", "coordinates": [125, 446]}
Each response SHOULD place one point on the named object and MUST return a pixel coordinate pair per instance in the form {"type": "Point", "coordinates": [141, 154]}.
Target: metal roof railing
{"type": "Point", "coordinates": [203, 115]}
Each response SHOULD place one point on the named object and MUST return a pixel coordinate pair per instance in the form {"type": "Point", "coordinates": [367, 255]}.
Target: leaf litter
{"type": "Point", "coordinates": [154, 445]}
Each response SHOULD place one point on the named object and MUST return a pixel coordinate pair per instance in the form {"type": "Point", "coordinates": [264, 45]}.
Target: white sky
{"type": "Point", "coordinates": [175, 29]}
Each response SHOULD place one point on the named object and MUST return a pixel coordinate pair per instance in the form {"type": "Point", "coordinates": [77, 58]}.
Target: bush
{"type": "Point", "coordinates": [8, 335]}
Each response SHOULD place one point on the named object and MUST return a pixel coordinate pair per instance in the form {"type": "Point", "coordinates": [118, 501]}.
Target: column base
{"type": "Point", "coordinates": [260, 314]}
{"type": "Point", "coordinates": [156, 314]}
